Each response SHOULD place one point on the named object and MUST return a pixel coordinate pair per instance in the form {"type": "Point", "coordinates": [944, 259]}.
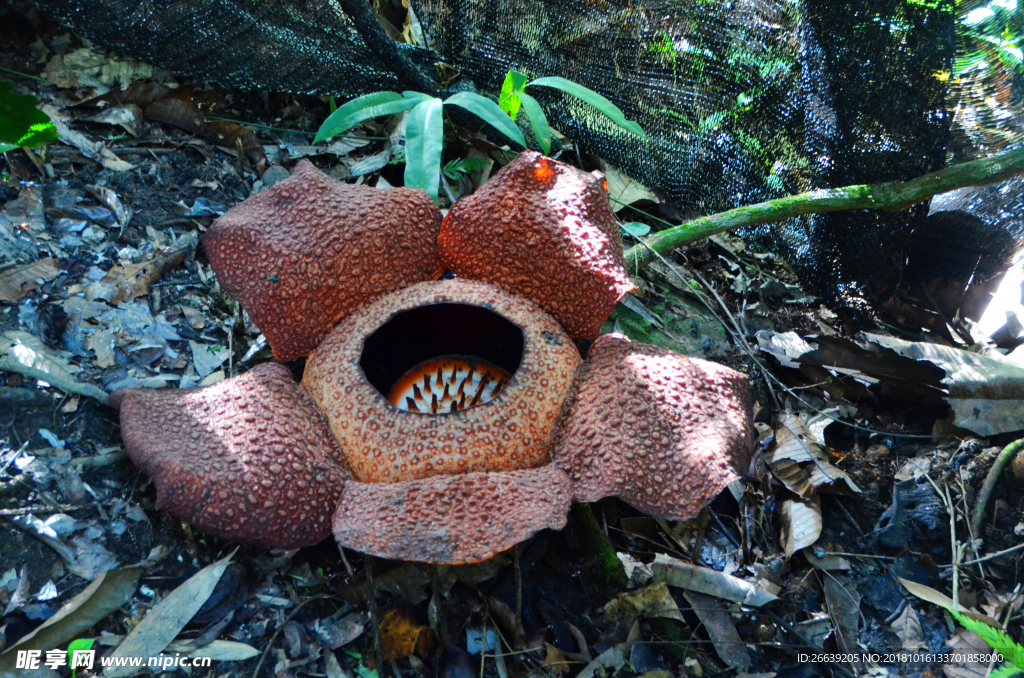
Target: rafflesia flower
{"type": "Point", "coordinates": [437, 420]}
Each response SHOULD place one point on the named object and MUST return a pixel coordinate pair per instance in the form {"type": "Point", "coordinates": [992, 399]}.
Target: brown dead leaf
{"type": "Point", "coordinates": [17, 282]}
{"type": "Point", "coordinates": [401, 637]}
{"type": "Point", "coordinates": [802, 464]}
{"type": "Point", "coordinates": [554, 660]}
{"type": "Point", "coordinates": [135, 280]}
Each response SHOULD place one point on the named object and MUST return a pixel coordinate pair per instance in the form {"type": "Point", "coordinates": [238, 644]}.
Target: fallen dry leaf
{"type": "Point", "coordinates": [17, 282]}
{"type": "Point", "coordinates": [161, 624]}
{"type": "Point", "coordinates": [682, 575]}
{"type": "Point", "coordinates": [987, 395]}
{"type": "Point", "coordinates": [129, 282]}
{"type": "Point", "coordinates": [799, 523]}
{"type": "Point", "coordinates": [802, 464]}
{"type": "Point", "coordinates": [554, 661]}
{"type": "Point", "coordinates": [401, 637]}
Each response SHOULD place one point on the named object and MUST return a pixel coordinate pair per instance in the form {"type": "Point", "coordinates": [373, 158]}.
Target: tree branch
{"type": "Point", "coordinates": [385, 48]}
{"type": "Point", "coordinates": [892, 196]}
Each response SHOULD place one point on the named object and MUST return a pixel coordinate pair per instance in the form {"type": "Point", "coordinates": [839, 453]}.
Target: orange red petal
{"type": "Point", "coordinates": [308, 251]}
{"type": "Point", "coordinates": [451, 519]}
{"type": "Point", "coordinates": [546, 231]}
{"type": "Point", "coordinates": [247, 459]}
{"type": "Point", "coordinates": [664, 432]}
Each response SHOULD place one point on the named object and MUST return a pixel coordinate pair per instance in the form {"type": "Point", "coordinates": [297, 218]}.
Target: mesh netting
{"type": "Point", "coordinates": [742, 101]}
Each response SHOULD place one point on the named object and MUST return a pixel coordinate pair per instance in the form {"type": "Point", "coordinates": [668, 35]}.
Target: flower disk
{"type": "Point", "coordinates": [384, 444]}
{"type": "Point", "coordinates": [247, 459]}
{"type": "Point", "coordinates": [451, 519]}
{"type": "Point", "coordinates": [543, 230]}
{"type": "Point", "coordinates": [664, 432]}
{"type": "Point", "coordinates": [309, 250]}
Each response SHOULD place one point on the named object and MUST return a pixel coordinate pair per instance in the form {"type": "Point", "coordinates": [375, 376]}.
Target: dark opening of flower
{"type": "Point", "coordinates": [442, 358]}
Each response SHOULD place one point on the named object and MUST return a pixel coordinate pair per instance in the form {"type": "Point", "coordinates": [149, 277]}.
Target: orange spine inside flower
{"type": "Point", "coordinates": [447, 384]}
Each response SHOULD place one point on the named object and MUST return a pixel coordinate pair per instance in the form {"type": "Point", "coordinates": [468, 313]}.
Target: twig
{"type": "Point", "coordinates": [891, 195]}
{"type": "Point", "coordinates": [990, 483]}
{"type": "Point", "coordinates": [9, 364]}
{"type": "Point", "coordinates": [990, 556]}
{"type": "Point", "coordinates": [371, 595]}
{"type": "Point", "coordinates": [277, 632]}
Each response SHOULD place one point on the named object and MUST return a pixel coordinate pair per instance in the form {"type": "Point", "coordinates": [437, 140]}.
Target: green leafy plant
{"type": "Point", "coordinates": [80, 644]}
{"type": "Point", "coordinates": [21, 123]}
{"type": "Point", "coordinates": [994, 637]}
{"type": "Point", "coordinates": [454, 169]}
{"type": "Point", "coordinates": [424, 130]}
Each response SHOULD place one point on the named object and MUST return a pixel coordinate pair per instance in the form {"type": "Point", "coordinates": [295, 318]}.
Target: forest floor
{"type": "Point", "coordinates": [104, 283]}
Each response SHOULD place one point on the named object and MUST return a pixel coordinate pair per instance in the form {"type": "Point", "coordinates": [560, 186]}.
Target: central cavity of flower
{"type": "Point", "coordinates": [448, 384]}
{"type": "Point", "coordinates": [442, 358]}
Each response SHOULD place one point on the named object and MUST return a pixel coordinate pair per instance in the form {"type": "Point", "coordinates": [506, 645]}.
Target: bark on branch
{"type": "Point", "coordinates": [892, 196]}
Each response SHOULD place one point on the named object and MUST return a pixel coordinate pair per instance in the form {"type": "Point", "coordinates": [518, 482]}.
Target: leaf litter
{"type": "Point", "coordinates": [102, 286]}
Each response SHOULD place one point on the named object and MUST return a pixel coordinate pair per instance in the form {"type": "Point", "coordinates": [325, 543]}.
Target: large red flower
{"type": "Point", "coordinates": [441, 421]}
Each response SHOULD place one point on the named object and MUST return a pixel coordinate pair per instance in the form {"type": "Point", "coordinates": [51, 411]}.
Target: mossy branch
{"type": "Point", "coordinates": [892, 196]}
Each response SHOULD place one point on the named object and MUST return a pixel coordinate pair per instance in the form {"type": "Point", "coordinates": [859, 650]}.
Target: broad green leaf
{"type": "Point", "coordinates": [635, 229]}
{"type": "Point", "coordinates": [591, 97]}
{"type": "Point", "coordinates": [538, 121]}
{"type": "Point", "coordinates": [418, 96]}
{"type": "Point", "coordinates": [4, 148]}
{"type": "Point", "coordinates": [514, 84]}
{"type": "Point", "coordinates": [21, 123]}
{"type": "Point", "coordinates": [424, 139]}
{"type": "Point", "coordinates": [489, 112]}
{"type": "Point", "coordinates": [360, 109]}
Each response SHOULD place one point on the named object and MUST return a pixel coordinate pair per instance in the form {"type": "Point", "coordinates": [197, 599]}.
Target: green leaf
{"type": "Point", "coordinates": [489, 112]}
{"type": "Point", "coordinates": [424, 139]}
{"type": "Point", "coordinates": [591, 97]}
{"type": "Point", "coordinates": [4, 148]}
{"type": "Point", "coordinates": [635, 229]}
{"type": "Point", "coordinates": [79, 644]}
{"type": "Point", "coordinates": [995, 638]}
{"type": "Point", "coordinates": [456, 168]}
{"type": "Point", "coordinates": [1005, 672]}
{"type": "Point", "coordinates": [508, 100]}
{"type": "Point", "coordinates": [538, 121]}
{"type": "Point", "coordinates": [21, 123]}
{"type": "Point", "coordinates": [360, 109]}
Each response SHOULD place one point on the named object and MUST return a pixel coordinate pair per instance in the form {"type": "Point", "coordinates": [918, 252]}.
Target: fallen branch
{"type": "Point", "coordinates": [990, 483]}
{"type": "Point", "coordinates": [892, 196]}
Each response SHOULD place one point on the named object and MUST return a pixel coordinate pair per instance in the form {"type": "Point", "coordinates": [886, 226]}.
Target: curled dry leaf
{"type": "Point", "coordinates": [802, 464]}
{"type": "Point", "coordinates": [799, 523]}
{"type": "Point", "coordinates": [987, 395]}
{"type": "Point", "coordinates": [705, 580]}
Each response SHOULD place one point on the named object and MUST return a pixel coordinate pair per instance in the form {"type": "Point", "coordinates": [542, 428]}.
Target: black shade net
{"type": "Point", "coordinates": [742, 101]}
